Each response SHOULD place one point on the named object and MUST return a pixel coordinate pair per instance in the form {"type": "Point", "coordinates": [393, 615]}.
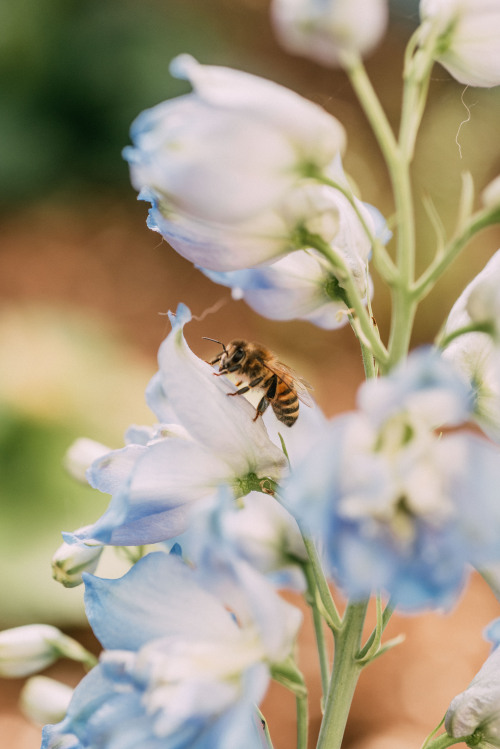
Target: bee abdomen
{"type": "Point", "coordinates": [286, 406]}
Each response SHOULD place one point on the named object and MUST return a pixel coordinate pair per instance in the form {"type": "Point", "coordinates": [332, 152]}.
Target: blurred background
{"type": "Point", "coordinates": [84, 288]}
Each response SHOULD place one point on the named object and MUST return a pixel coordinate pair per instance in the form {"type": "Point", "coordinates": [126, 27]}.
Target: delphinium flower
{"type": "Point", "coordinates": [212, 440]}
{"type": "Point", "coordinates": [178, 668]}
{"type": "Point", "coordinates": [227, 168]}
{"type": "Point", "coordinates": [257, 529]}
{"type": "Point", "coordinates": [476, 354]}
{"type": "Point", "coordinates": [303, 284]}
{"type": "Point", "coordinates": [389, 497]}
{"type": "Point", "coordinates": [329, 31]}
{"type": "Point", "coordinates": [476, 711]}
{"type": "Point", "coordinates": [467, 38]}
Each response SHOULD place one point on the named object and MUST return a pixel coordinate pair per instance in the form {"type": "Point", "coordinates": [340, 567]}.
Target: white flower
{"type": "Point", "coordinates": [223, 167]}
{"type": "Point", "coordinates": [468, 38]}
{"type": "Point", "coordinates": [478, 707]}
{"type": "Point", "coordinates": [476, 355]}
{"type": "Point", "coordinates": [329, 30]}
{"type": "Point", "coordinates": [44, 700]}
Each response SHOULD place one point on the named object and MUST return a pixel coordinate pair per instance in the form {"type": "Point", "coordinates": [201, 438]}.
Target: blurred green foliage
{"type": "Point", "coordinates": [63, 376]}
{"type": "Point", "coordinates": [74, 74]}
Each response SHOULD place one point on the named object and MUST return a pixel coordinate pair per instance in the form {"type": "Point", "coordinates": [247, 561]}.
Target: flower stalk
{"type": "Point", "coordinates": [345, 675]}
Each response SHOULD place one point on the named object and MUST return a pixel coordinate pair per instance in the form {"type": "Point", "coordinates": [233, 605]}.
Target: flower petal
{"type": "Point", "coordinates": [224, 425]}
{"type": "Point", "coordinates": [159, 596]}
{"type": "Point", "coordinates": [155, 502]}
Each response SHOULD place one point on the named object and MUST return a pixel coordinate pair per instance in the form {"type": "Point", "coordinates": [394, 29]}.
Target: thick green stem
{"type": "Point", "coordinates": [373, 110]}
{"type": "Point", "coordinates": [302, 722]}
{"type": "Point", "coordinates": [346, 671]}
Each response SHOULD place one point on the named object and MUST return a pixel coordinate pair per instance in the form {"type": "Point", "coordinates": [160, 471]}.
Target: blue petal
{"type": "Point", "coordinates": [156, 598]}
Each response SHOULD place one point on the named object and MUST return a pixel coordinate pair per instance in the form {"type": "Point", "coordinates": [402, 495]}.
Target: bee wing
{"type": "Point", "coordinates": [300, 385]}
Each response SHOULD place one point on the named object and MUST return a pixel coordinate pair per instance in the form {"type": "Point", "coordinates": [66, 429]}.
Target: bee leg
{"type": "Point", "coordinates": [263, 404]}
{"type": "Point", "coordinates": [214, 361]}
{"type": "Point", "coordinates": [248, 387]}
{"type": "Point", "coordinates": [271, 390]}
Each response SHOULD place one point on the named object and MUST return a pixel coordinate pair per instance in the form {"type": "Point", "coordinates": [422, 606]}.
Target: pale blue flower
{"type": "Point", "coordinates": [302, 285]}
{"type": "Point", "coordinates": [177, 669]}
{"type": "Point", "coordinates": [256, 529]}
{"type": "Point", "coordinates": [396, 506]}
{"type": "Point", "coordinates": [190, 153]}
{"type": "Point", "coordinates": [155, 480]}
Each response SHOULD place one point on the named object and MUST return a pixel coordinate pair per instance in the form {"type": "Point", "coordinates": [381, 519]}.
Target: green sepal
{"type": "Point", "coordinates": [288, 674]}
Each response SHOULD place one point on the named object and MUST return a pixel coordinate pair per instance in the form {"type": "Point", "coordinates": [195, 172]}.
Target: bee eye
{"type": "Point", "coordinates": [238, 355]}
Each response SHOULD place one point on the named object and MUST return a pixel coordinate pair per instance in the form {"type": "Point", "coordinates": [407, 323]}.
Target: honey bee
{"type": "Point", "coordinates": [258, 367]}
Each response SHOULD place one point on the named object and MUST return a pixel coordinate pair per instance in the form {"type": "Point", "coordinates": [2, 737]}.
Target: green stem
{"type": "Point", "coordinates": [302, 722]}
{"type": "Point", "coordinates": [368, 362]}
{"type": "Point", "coordinates": [318, 628]}
{"type": "Point", "coordinates": [346, 282]}
{"type": "Point", "coordinates": [384, 262]}
{"type": "Point", "coordinates": [477, 222]}
{"type": "Point", "coordinates": [372, 646]}
{"type": "Point", "coordinates": [443, 741]}
{"type": "Point", "coordinates": [346, 671]}
{"type": "Point", "coordinates": [331, 614]}
{"type": "Point", "coordinates": [397, 158]}
{"type": "Point", "coordinates": [373, 110]}
{"type": "Point", "coordinates": [474, 327]}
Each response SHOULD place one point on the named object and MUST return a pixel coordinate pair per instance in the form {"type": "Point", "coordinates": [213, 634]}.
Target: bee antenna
{"type": "Point", "coordinates": [214, 340]}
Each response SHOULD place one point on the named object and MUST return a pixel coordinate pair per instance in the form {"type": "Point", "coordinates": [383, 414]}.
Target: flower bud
{"type": "Point", "coordinates": [477, 709]}
{"type": "Point", "coordinates": [70, 560]}
{"type": "Point", "coordinates": [491, 194]}
{"type": "Point", "coordinates": [329, 31]}
{"type": "Point", "coordinates": [26, 650]}
{"type": "Point", "coordinates": [81, 455]}
{"type": "Point", "coordinates": [44, 700]}
{"type": "Point", "coordinates": [467, 43]}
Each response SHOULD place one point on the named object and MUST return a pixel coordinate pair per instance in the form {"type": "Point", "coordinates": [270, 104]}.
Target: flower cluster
{"type": "Point", "coordinates": [389, 495]}
{"type": "Point", "coordinates": [169, 676]}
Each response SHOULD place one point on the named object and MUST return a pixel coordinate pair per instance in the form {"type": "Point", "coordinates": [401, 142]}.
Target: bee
{"type": "Point", "coordinates": [258, 367]}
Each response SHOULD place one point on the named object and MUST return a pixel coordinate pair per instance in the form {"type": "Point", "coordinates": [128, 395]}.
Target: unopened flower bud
{"type": "Point", "coordinates": [491, 194]}
{"type": "Point", "coordinates": [26, 650]}
{"type": "Point", "coordinates": [81, 455]}
{"type": "Point", "coordinates": [70, 560]}
{"type": "Point", "coordinates": [44, 700]}
{"type": "Point", "coordinates": [327, 31]}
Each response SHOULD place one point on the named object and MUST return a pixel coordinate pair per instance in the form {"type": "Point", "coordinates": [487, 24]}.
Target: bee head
{"type": "Point", "coordinates": [236, 354]}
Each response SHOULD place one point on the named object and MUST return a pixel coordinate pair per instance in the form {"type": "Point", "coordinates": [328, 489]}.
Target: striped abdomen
{"type": "Point", "coordinates": [285, 403]}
